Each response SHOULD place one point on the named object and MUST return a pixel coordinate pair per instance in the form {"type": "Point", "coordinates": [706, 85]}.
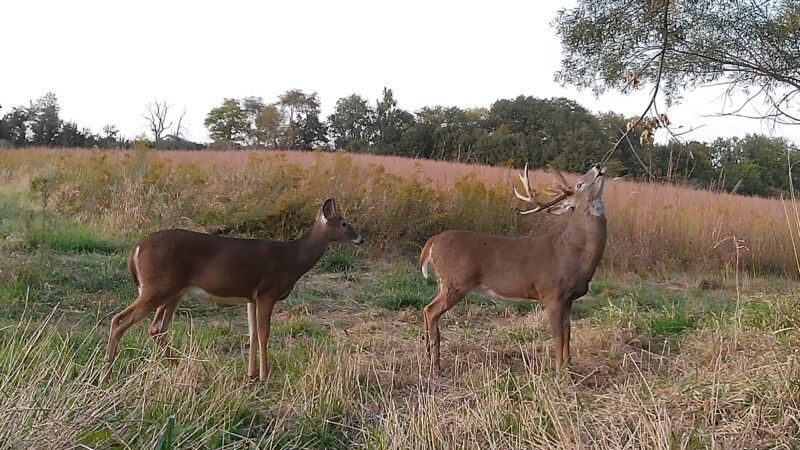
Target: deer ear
{"type": "Point", "coordinates": [329, 208]}
{"type": "Point", "coordinates": [560, 208]}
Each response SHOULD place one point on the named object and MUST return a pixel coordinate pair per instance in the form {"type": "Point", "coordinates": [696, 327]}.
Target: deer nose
{"type": "Point", "coordinates": [358, 241]}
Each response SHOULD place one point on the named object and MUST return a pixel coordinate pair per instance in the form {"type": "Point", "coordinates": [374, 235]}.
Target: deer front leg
{"type": "Point", "coordinates": [565, 319]}
{"type": "Point", "coordinates": [252, 370]}
{"type": "Point", "coordinates": [555, 315]}
{"type": "Point", "coordinates": [263, 318]}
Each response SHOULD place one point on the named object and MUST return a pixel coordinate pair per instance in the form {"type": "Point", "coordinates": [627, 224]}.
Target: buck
{"type": "Point", "coordinates": [258, 272]}
{"type": "Point", "coordinates": [554, 269]}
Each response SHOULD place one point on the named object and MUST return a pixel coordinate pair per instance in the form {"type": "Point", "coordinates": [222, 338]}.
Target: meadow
{"type": "Point", "coordinates": [687, 338]}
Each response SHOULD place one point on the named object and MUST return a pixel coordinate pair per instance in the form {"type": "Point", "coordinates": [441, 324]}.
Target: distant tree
{"type": "Point", "coordinates": [391, 123]}
{"type": "Point", "coordinates": [313, 132]}
{"type": "Point", "coordinates": [252, 107]}
{"type": "Point", "coordinates": [543, 132]}
{"type": "Point", "coordinates": [15, 126]}
{"type": "Point", "coordinates": [455, 130]}
{"type": "Point", "coordinates": [179, 132]}
{"type": "Point", "coordinates": [72, 136]}
{"type": "Point", "coordinates": [228, 123]}
{"type": "Point", "coordinates": [45, 124]}
{"type": "Point", "coordinates": [351, 124]}
{"type": "Point", "coordinates": [110, 132]}
{"type": "Point", "coordinates": [751, 46]}
{"type": "Point", "coordinates": [157, 117]}
{"type": "Point", "coordinates": [304, 129]}
{"type": "Point", "coordinates": [290, 103]}
{"type": "Point", "coordinates": [110, 137]}
{"type": "Point", "coordinates": [268, 127]}
{"type": "Point", "coordinates": [754, 165]}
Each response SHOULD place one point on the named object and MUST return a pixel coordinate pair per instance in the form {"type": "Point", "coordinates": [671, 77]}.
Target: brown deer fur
{"type": "Point", "coordinates": [258, 272]}
{"type": "Point", "coordinates": [554, 269]}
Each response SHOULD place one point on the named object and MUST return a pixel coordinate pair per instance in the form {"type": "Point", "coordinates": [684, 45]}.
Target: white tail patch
{"type": "Point", "coordinates": [428, 262]}
{"type": "Point", "coordinates": [136, 267]}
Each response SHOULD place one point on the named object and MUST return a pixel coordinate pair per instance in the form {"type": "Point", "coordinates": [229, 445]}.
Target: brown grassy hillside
{"type": "Point", "coordinates": [399, 202]}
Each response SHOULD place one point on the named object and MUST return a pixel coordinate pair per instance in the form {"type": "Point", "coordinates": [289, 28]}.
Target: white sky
{"type": "Point", "coordinates": [106, 59]}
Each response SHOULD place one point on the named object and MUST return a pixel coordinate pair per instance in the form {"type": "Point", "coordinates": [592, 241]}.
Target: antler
{"type": "Point", "coordinates": [560, 188]}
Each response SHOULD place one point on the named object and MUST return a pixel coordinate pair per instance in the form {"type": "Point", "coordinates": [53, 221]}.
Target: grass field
{"type": "Point", "coordinates": [675, 346]}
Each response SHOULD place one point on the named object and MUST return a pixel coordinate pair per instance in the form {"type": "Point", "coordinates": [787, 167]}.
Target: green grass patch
{"type": "Point", "coordinates": [340, 258]}
{"type": "Point", "coordinates": [671, 321]}
{"type": "Point", "coordinates": [404, 288]}
{"type": "Point", "coordinates": [66, 237]}
{"type": "Point", "coordinates": [302, 328]}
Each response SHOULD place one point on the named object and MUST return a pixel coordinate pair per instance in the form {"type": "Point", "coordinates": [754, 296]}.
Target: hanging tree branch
{"type": "Point", "coordinates": [652, 102]}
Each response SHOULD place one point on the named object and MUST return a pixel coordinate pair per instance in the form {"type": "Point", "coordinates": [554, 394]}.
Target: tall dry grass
{"type": "Point", "coordinates": [725, 387]}
{"type": "Point", "coordinates": [396, 202]}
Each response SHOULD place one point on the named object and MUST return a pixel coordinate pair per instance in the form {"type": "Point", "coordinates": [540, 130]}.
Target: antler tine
{"type": "Point", "coordinates": [526, 183]}
{"type": "Point", "coordinates": [565, 191]}
{"type": "Point", "coordinates": [561, 182]}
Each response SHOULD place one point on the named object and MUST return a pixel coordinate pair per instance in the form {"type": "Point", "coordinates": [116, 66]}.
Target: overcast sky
{"type": "Point", "coordinates": [106, 59]}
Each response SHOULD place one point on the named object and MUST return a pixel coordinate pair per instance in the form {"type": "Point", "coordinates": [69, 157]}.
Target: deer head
{"type": "Point", "coordinates": [560, 189]}
{"type": "Point", "coordinates": [587, 195]}
{"type": "Point", "coordinates": [335, 226]}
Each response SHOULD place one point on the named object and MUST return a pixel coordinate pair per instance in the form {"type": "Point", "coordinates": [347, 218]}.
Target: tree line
{"type": "Point", "coordinates": [555, 132]}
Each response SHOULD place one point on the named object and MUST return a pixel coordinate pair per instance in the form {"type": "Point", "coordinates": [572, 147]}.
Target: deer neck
{"type": "Point", "coordinates": [309, 248]}
{"type": "Point", "coordinates": [584, 238]}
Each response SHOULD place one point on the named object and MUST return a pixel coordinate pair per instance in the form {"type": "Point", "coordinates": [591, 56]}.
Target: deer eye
{"type": "Point", "coordinates": [579, 184]}
{"type": "Point", "coordinates": [344, 224]}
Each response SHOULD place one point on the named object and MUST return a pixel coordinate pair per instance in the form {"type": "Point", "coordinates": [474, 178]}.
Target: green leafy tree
{"type": "Point", "coordinates": [313, 132]}
{"type": "Point", "coordinates": [14, 127]}
{"type": "Point", "coordinates": [228, 123]}
{"type": "Point", "coordinates": [390, 124]}
{"type": "Point", "coordinates": [754, 165]}
{"type": "Point", "coordinates": [452, 130]}
{"type": "Point", "coordinates": [45, 124]}
{"type": "Point", "coordinates": [268, 126]}
{"type": "Point", "coordinates": [252, 107]}
{"type": "Point", "coordinates": [304, 129]}
{"type": "Point", "coordinates": [555, 132]}
{"type": "Point", "coordinates": [750, 45]}
{"type": "Point", "coordinates": [351, 124]}
{"type": "Point", "coordinates": [72, 136]}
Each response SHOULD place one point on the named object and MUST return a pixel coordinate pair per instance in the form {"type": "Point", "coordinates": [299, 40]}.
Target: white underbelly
{"type": "Point", "coordinates": [200, 294]}
{"type": "Point", "coordinates": [497, 297]}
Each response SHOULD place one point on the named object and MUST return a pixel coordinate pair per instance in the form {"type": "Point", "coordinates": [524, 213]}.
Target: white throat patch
{"type": "Point", "coordinates": [598, 209]}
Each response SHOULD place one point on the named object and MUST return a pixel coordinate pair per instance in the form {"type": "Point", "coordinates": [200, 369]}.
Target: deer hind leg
{"type": "Point", "coordinates": [252, 370]}
{"type": "Point", "coordinates": [555, 315]}
{"type": "Point", "coordinates": [444, 300]}
{"type": "Point", "coordinates": [158, 330]}
{"type": "Point", "coordinates": [137, 311]}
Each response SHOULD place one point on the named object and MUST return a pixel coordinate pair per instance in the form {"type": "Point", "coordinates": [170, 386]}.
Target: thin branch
{"type": "Point", "coordinates": [663, 52]}
{"type": "Point", "coordinates": [647, 169]}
